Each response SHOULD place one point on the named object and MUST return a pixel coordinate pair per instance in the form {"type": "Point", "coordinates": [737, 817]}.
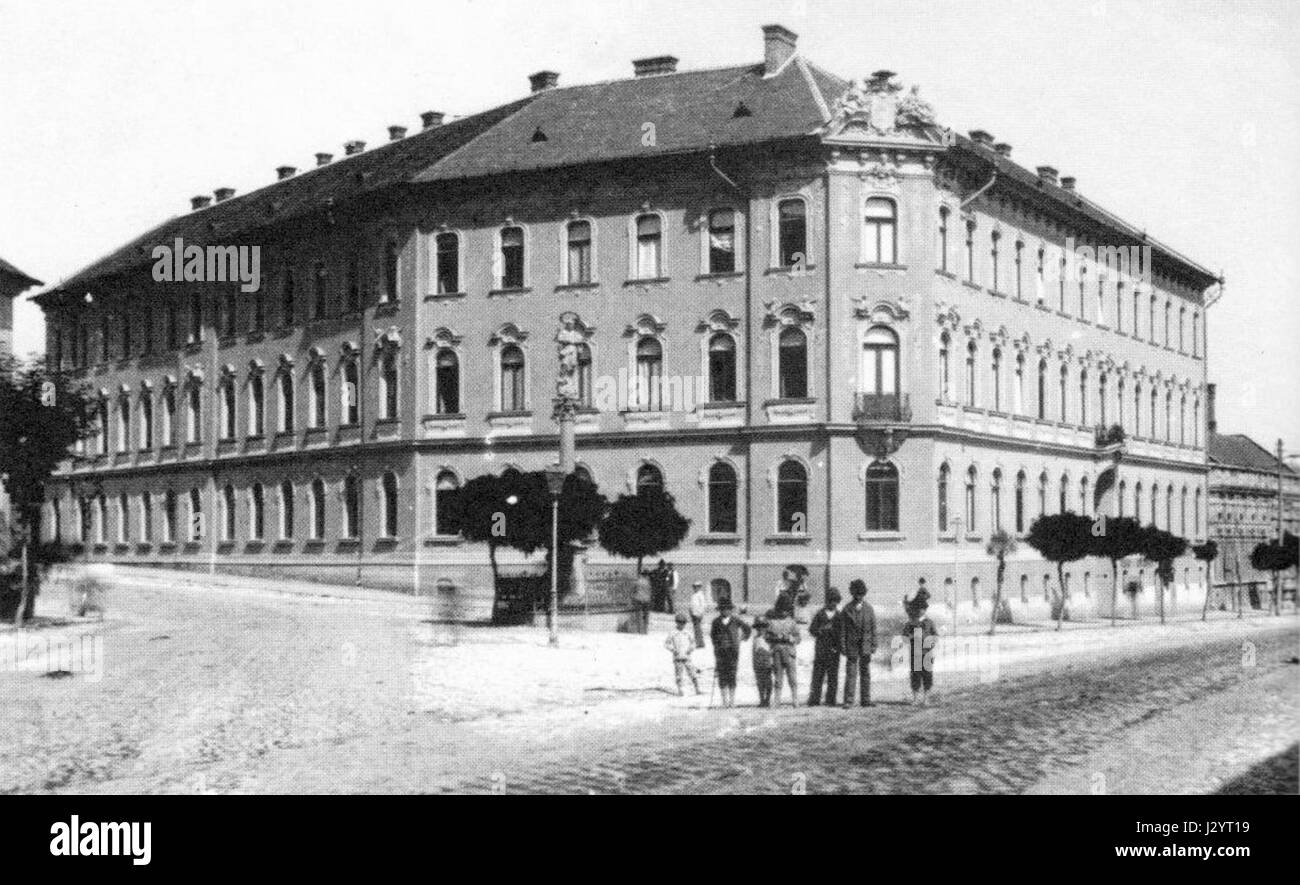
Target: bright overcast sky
{"type": "Point", "coordinates": [1181, 116]}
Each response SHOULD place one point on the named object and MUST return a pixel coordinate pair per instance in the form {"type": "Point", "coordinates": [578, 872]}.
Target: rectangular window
{"type": "Point", "coordinates": [792, 234]}
{"type": "Point", "coordinates": [649, 240]}
{"type": "Point", "coordinates": [578, 257]}
{"type": "Point", "coordinates": [880, 231]}
{"type": "Point", "coordinates": [447, 250]}
{"type": "Point", "coordinates": [722, 241]}
{"type": "Point", "coordinates": [392, 259]}
{"type": "Point", "coordinates": [512, 258]}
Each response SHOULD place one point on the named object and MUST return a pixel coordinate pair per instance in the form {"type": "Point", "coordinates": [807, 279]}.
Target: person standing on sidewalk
{"type": "Point", "coordinates": [727, 633]}
{"type": "Point", "coordinates": [783, 636]}
{"type": "Point", "coordinates": [921, 636]}
{"type": "Point", "coordinates": [857, 641]}
{"type": "Point", "coordinates": [699, 606]}
{"type": "Point", "coordinates": [681, 644]}
{"type": "Point", "coordinates": [762, 654]}
{"type": "Point", "coordinates": [826, 650]}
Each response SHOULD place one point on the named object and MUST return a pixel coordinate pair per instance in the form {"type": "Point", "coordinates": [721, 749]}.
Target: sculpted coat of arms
{"type": "Point", "coordinates": [878, 106]}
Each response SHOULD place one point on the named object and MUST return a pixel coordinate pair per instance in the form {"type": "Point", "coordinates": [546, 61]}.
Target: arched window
{"type": "Point", "coordinates": [123, 424]}
{"type": "Point", "coordinates": [995, 500]}
{"type": "Point", "coordinates": [146, 518]}
{"type": "Point", "coordinates": [1083, 397]}
{"type": "Point", "coordinates": [447, 249]}
{"type": "Point", "coordinates": [1155, 408]}
{"type": "Point", "coordinates": [1042, 493]}
{"type": "Point", "coordinates": [1119, 401]}
{"type": "Point", "coordinates": [1084, 503]}
{"type": "Point", "coordinates": [317, 394]}
{"type": "Point", "coordinates": [194, 414]}
{"type": "Point", "coordinates": [1065, 393]}
{"type": "Point", "coordinates": [970, 251]}
{"type": "Point", "coordinates": [649, 247]}
{"type": "Point", "coordinates": [995, 378]}
{"type": "Point", "coordinates": [286, 510]}
{"type": "Point", "coordinates": [446, 382]}
{"type": "Point", "coordinates": [1101, 398]}
{"type": "Point", "coordinates": [792, 359]}
{"type": "Point", "coordinates": [512, 258]}
{"type": "Point", "coordinates": [995, 279]}
{"type": "Point", "coordinates": [649, 479]}
{"type": "Point", "coordinates": [1020, 502]}
{"type": "Point", "coordinates": [1024, 588]}
{"type": "Point", "coordinates": [228, 513]}
{"type": "Point", "coordinates": [722, 368]}
{"type": "Point", "coordinates": [350, 393]}
{"type": "Point", "coordinates": [1169, 415]}
{"type": "Point", "coordinates": [1182, 420]}
{"type": "Point", "coordinates": [578, 255]}
{"type": "Point", "coordinates": [882, 497]}
{"type": "Point", "coordinates": [256, 512]}
{"type": "Point", "coordinates": [880, 361]}
{"type": "Point", "coordinates": [1196, 334]}
{"type": "Point", "coordinates": [1182, 321]}
{"type": "Point", "coordinates": [146, 421]}
{"type": "Point", "coordinates": [722, 241]}
{"type": "Point", "coordinates": [1137, 407]}
{"type": "Point", "coordinates": [388, 487]}
{"type": "Point", "coordinates": [1064, 494]}
{"type": "Point", "coordinates": [945, 367]}
{"type": "Point", "coordinates": [1155, 503]}
{"type": "Point", "coordinates": [196, 516]}
{"type": "Point", "coordinates": [1137, 501]}
{"type": "Point", "coordinates": [944, 476]}
{"type": "Point", "coordinates": [1168, 326]}
{"type": "Point", "coordinates": [649, 374]}
{"type": "Point", "coordinates": [1169, 508]}
{"type": "Point", "coordinates": [792, 233]}
{"type": "Point", "coordinates": [317, 509]}
{"type": "Point", "coordinates": [1042, 390]}
{"type": "Point", "coordinates": [388, 384]}
{"type": "Point", "coordinates": [880, 231]}
{"type": "Point", "coordinates": [512, 379]}
{"type": "Point", "coordinates": [169, 417]}
{"type": "Point", "coordinates": [123, 519]}
{"type": "Point", "coordinates": [943, 238]}
{"type": "Point", "coordinates": [971, 476]}
{"type": "Point", "coordinates": [1119, 499]}
{"type": "Point", "coordinates": [286, 401]}
{"type": "Point", "coordinates": [1196, 513]}
{"type": "Point", "coordinates": [971, 351]}
{"type": "Point", "coordinates": [1018, 394]}
{"type": "Point", "coordinates": [791, 498]}
{"type": "Point", "coordinates": [169, 517]}
{"type": "Point", "coordinates": [256, 405]}
{"type": "Point", "coordinates": [444, 517]}
{"type": "Point", "coordinates": [1182, 513]}
{"type": "Point", "coordinates": [723, 489]}
{"type": "Point", "coordinates": [1196, 422]}
{"type": "Point", "coordinates": [351, 507]}
{"type": "Point", "coordinates": [975, 592]}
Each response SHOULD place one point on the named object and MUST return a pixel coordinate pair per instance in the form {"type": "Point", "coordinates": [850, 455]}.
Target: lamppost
{"type": "Point", "coordinates": [555, 485]}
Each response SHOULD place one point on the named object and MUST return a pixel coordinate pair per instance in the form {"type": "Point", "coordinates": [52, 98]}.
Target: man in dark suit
{"type": "Point", "coordinates": [826, 651]}
{"type": "Point", "coordinates": [856, 630]}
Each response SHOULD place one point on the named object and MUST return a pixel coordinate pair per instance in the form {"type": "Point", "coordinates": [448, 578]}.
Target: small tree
{"type": "Point", "coordinates": [1115, 538]}
{"type": "Point", "coordinates": [1162, 548]}
{"type": "Point", "coordinates": [477, 510]}
{"type": "Point", "coordinates": [40, 418]}
{"type": "Point", "coordinates": [1001, 544]}
{"type": "Point", "coordinates": [641, 525]}
{"type": "Point", "coordinates": [1061, 538]}
{"type": "Point", "coordinates": [1206, 553]}
{"type": "Point", "coordinates": [1270, 556]}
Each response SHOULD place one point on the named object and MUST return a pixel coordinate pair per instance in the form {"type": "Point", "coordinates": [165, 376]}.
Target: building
{"type": "Point", "coordinates": [1245, 481]}
{"type": "Point", "coordinates": [13, 282]}
{"type": "Point", "coordinates": [866, 340]}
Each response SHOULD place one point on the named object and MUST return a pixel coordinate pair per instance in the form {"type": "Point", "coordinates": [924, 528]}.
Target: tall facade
{"type": "Point", "coordinates": [839, 333]}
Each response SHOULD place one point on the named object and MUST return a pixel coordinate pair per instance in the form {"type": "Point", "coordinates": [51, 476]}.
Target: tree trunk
{"type": "Point", "coordinates": [1060, 584]}
{"type": "Point", "coordinates": [1205, 606]}
{"type": "Point", "coordinates": [21, 615]}
{"type": "Point", "coordinates": [1277, 593]}
{"type": "Point", "coordinates": [1114, 590]}
{"type": "Point", "coordinates": [496, 580]}
{"type": "Point", "coordinates": [1163, 586]}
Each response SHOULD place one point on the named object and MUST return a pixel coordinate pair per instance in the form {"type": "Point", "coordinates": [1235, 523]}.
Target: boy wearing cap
{"type": "Point", "coordinates": [762, 653]}
{"type": "Point", "coordinates": [681, 644]}
{"type": "Point", "coordinates": [826, 650]}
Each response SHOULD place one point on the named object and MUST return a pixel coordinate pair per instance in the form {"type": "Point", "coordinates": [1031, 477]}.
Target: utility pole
{"type": "Point", "coordinates": [1280, 464]}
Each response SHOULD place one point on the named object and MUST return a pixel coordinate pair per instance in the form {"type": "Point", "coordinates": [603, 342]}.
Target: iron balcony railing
{"type": "Point", "coordinates": [882, 407]}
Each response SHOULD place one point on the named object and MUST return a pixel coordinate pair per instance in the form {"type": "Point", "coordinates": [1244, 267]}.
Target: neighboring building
{"type": "Point", "coordinates": [1244, 478]}
{"type": "Point", "coordinates": [855, 311]}
{"type": "Point", "coordinates": [13, 282]}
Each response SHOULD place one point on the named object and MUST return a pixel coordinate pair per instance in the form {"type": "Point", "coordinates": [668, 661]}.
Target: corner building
{"type": "Point", "coordinates": [845, 320]}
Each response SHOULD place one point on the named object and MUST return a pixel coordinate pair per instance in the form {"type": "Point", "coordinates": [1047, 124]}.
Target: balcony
{"type": "Point", "coordinates": [882, 408]}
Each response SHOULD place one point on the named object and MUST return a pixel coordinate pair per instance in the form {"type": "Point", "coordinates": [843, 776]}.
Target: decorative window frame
{"type": "Point", "coordinates": [721, 322]}
{"type": "Point", "coordinates": [499, 260]}
{"type": "Point", "coordinates": [773, 472]}
{"type": "Point", "coordinates": [443, 338]}
{"type": "Point", "coordinates": [629, 477]}
{"type": "Point", "coordinates": [774, 231]}
{"type": "Point", "coordinates": [566, 272]}
{"type": "Point", "coordinates": [877, 193]}
{"type": "Point", "coordinates": [632, 257]}
{"type": "Point", "coordinates": [505, 335]}
{"type": "Point", "coordinates": [738, 232]}
{"type": "Point", "coordinates": [778, 320]}
{"type": "Point", "coordinates": [702, 479]}
{"type": "Point", "coordinates": [431, 261]}
{"type": "Point", "coordinates": [430, 530]}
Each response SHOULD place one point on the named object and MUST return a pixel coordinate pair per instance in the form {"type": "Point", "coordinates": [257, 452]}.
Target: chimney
{"type": "Point", "coordinates": [1211, 420]}
{"type": "Point", "coordinates": [660, 64]}
{"type": "Point", "coordinates": [353, 147]}
{"type": "Point", "coordinates": [324, 159]}
{"type": "Point", "coordinates": [1067, 182]}
{"type": "Point", "coordinates": [542, 80]}
{"type": "Point", "coordinates": [202, 201]}
{"type": "Point", "coordinates": [1047, 173]}
{"type": "Point", "coordinates": [778, 46]}
{"type": "Point", "coordinates": [283, 172]}
{"type": "Point", "coordinates": [979, 136]}
{"type": "Point", "coordinates": [1003, 149]}
{"type": "Point", "coordinates": [396, 133]}
{"type": "Point", "coordinates": [223, 193]}
{"type": "Point", "coordinates": [431, 119]}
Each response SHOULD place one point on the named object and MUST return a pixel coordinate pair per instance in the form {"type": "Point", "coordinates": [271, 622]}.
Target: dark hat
{"type": "Point", "coordinates": [833, 595]}
{"type": "Point", "coordinates": [681, 617]}
{"type": "Point", "coordinates": [857, 588]}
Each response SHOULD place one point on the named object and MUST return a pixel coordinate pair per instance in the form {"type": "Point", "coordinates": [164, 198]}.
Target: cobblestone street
{"type": "Point", "coordinates": [250, 692]}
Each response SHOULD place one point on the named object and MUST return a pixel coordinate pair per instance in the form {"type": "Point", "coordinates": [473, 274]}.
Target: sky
{"type": "Point", "coordinates": [1180, 116]}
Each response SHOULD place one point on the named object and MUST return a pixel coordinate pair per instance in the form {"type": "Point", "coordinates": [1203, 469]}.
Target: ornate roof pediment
{"type": "Point", "coordinates": [877, 109]}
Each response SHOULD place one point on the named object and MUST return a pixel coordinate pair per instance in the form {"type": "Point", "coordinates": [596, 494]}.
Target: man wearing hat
{"type": "Point", "coordinates": [826, 650]}
{"type": "Point", "coordinates": [699, 605]}
{"type": "Point", "coordinates": [856, 628]}
{"type": "Point", "coordinates": [727, 633]}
